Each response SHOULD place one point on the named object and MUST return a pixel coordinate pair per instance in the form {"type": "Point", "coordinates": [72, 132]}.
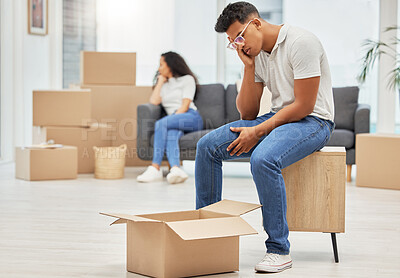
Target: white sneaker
{"type": "Point", "coordinates": [274, 263]}
{"type": "Point", "coordinates": [150, 175]}
{"type": "Point", "coordinates": [176, 175]}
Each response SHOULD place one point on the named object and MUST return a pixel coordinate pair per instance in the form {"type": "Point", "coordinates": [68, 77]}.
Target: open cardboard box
{"type": "Point", "coordinates": [186, 243]}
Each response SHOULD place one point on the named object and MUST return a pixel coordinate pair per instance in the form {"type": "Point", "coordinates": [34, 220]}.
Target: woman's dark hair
{"type": "Point", "coordinates": [178, 66]}
{"type": "Point", "coordinates": [239, 11]}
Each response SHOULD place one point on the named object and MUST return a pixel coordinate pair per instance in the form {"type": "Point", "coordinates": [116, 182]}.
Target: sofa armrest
{"type": "Point", "coordinates": [147, 115]}
{"type": "Point", "coordinates": [361, 119]}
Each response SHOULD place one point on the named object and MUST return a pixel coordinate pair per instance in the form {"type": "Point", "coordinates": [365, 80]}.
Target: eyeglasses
{"type": "Point", "coordinates": [239, 39]}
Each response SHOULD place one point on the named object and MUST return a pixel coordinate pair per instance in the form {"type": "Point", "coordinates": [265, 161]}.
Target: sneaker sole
{"type": "Point", "coordinates": [147, 181]}
{"type": "Point", "coordinates": [176, 179]}
{"type": "Point", "coordinates": [273, 269]}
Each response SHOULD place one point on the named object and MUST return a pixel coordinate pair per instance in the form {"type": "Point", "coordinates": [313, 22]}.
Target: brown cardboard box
{"type": "Point", "coordinates": [61, 108]}
{"type": "Point", "coordinates": [117, 106]}
{"type": "Point", "coordinates": [132, 158]}
{"type": "Point", "coordinates": [378, 160]}
{"type": "Point", "coordinates": [46, 164]}
{"type": "Point", "coordinates": [108, 68]}
{"type": "Point", "coordinates": [113, 104]}
{"type": "Point", "coordinates": [83, 138]}
{"type": "Point", "coordinates": [186, 243]}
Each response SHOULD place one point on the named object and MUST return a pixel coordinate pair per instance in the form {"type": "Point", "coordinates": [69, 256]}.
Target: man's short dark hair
{"type": "Point", "coordinates": [235, 11]}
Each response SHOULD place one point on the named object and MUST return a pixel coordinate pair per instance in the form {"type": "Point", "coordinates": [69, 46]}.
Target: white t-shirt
{"type": "Point", "coordinates": [297, 54]}
{"type": "Point", "coordinates": [176, 89]}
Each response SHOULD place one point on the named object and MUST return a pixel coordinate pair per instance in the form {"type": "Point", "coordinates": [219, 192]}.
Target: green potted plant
{"type": "Point", "coordinates": [374, 49]}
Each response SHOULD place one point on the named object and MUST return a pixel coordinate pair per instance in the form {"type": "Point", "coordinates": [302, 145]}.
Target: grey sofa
{"type": "Point", "coordinates": [351, 118]}
{"type": "Point", "coordinates": [217, 106]}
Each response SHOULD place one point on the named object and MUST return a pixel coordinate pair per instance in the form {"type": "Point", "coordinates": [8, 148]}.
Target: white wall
{"type": "Point", "coordinates": [195, 38]}
{"type": "Point", "coordinates": [28, 62]}
{"type": "Point", "coordinates": [144, 27]}
{"type": "Point", "coordinates": [155, 26]}
{"type": "Point", "coordinates": [342, 26]}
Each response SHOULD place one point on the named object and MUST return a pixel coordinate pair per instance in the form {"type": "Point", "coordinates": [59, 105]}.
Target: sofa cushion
{"type": "Point", "coordinates": [346, 100]}
{"type": "Point", "coordinates": [232, 114]}
{"type": "Point", "coordinates": [189, 140]}
{"type": "Point", "coordinates": [210, 102]}
{"type": "Point", "coordinates": [342, 137]}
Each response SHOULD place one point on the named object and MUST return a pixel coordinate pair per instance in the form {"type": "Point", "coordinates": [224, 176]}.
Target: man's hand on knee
{"type": "Point", "coordinates": [245, 142]}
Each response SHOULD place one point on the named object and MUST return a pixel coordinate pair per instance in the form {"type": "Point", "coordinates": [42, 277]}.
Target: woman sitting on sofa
{"type": "Point", "coordinates": [175, 90]}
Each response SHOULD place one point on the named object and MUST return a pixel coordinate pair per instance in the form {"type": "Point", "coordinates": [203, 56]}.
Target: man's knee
{"type": "Point", "coordinates": [207, 143]}
{"type": "Point", "coordinates": [263, 161]}
{"type": "Point", "coordinates": [204, 142]}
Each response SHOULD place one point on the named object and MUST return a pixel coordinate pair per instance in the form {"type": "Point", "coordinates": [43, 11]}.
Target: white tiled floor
{"type": "Point", "coordinates": [53, 228]}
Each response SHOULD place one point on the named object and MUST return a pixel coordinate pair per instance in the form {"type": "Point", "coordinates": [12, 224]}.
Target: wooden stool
{"type": "Point", "coordinates": [315, 192]}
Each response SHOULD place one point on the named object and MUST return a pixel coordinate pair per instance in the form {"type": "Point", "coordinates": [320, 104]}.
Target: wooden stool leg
{"type": "Point", "coordinates": [349, 173]}
{"type": "Point", "coordinates": [334, 245]}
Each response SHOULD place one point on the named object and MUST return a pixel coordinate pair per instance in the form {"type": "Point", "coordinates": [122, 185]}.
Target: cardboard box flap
{"type": "Point", "coordinates": [211, 228]}
{"type": "Point", "coordinates": [231, 207]}
{"type": "Point", "coordinates": [118, 221]}
{"type": "Point", "coordinates": [122, 218]}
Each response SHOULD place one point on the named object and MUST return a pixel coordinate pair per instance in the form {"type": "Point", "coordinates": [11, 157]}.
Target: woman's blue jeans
{"type": "Point", "coordinates": [282, 147]}
{"type": "Point", "coordinates": [168, 131]}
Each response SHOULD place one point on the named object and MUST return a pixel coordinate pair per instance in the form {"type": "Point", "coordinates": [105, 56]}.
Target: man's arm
{"type": "Point", "coordinates": [248, 99]}
{"type": "Point", "coordinates": [305, 93]}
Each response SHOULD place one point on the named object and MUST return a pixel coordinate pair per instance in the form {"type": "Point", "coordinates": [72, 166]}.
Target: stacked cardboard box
{"type": "Point", "coordinates": [62, 108]}
{"type": "Point", "coordinates": [84, 138]}
{"type": "Point", "coordinates": [46, 164]}
{"type": "Point", "coordinates": [100, 113]}
{"type": "Point", "coordinates": [65, 116]}
{"type": "Point", "coordinates": [111, 78]}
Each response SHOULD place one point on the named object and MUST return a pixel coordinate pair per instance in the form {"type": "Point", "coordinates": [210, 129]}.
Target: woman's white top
{"type": "Point", "coordinates": [176, 89]}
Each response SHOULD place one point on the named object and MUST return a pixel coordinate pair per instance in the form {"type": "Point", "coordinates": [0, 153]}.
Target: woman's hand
{"type": "Point", "coordinates": [180, 111]}
{"type": "Point", "coordinates": [161, 79]}
{"type": "Point", "coordinates": [184, 107]}
{"type": "Point", "coordinates": [247, 139]}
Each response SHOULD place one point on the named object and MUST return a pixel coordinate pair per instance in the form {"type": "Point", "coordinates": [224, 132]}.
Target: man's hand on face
{"type": "Point", "coordinates": [247, 60]}
{"type": "Point", "coordinates": [247, 139]}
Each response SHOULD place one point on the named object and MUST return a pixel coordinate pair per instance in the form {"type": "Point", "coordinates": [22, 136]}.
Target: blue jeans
{"type": "Point", "coordinates": [168, 131]}
{"type": "Point", "coordinates": [282, 147]}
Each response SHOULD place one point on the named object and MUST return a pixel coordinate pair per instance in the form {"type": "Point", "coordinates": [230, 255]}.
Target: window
{"type": "Point", "coordinates": [79, 33]}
